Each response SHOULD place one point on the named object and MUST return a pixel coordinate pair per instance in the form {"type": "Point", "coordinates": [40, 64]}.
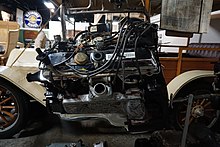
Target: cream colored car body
{"type": "Point", "coordinates": [19, 64]}
{"type": "Point", "coordinates": [23, 61]}
{"type": "Point", "coordinates": [185, 78]}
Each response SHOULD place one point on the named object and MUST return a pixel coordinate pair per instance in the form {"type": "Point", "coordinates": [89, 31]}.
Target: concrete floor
{"type": "Point", "coordinates": [42, 132]}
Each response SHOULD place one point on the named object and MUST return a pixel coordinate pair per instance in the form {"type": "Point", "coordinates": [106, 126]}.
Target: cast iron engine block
{"type": "Point", "coordinates": [100, 71]}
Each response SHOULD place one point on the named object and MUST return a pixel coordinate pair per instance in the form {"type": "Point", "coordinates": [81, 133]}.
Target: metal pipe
{"type": "Point", "coordinates": [100, 89]}
{"type": "Point", "coordinates": [142, 10]}
{"type": "Point", "coordinates": [186, 125]}
{"type": "Point", "coordinates": [63, 21]}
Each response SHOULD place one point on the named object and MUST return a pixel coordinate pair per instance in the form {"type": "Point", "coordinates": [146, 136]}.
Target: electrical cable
{"type": "Point", "coordinates": [107, 64]}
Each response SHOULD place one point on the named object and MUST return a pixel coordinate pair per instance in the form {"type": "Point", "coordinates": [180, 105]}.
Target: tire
{"type": "Point", "coordinates": [13, 109]}
{"type": "Point", "coordinates": [210, 114]}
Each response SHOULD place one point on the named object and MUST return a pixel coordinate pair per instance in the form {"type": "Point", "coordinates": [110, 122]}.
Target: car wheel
{"type": "Point", "coordinates": [202, 110]}
{"type": "Point", "coordinates": [13, 109]}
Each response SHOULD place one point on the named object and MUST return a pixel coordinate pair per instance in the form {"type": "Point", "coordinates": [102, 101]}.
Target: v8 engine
{"type": "Point", "coordinates": [100, 71]}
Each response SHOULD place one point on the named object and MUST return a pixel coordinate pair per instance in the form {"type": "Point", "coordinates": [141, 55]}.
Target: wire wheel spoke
{"type": "Point", "coordinates": [13, 110]}
{"type": "Point", "coordinates": [3, 118]}
{"type": "Point", "coordinates": [8, 114]}
{"type": "Point", "coordinates": [183, 119]}
{"type": "Point", "coordinates": [8, 107]}
{"type": "Point", "coordinates": [4, 101]}
{"type": "Point", "coordinates": [202, 102]}
{"type": "Point", "coordinates": [202, 110]}
{"type": "Point", "coordinates": [191, 120]}
{"type": "Point", "coordinates": [207, 104]}
{"type": "Point", "coordinates": [197, 102]}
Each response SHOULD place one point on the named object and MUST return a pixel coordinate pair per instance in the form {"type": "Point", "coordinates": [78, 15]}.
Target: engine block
{"type": "Point", "coordinates": [99, 71]}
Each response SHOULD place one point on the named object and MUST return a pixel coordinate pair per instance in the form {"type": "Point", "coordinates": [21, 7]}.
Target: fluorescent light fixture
{"type": "Point", "coordinates": [49, 5]}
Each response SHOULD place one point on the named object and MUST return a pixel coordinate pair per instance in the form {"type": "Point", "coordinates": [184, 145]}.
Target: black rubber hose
{"type": "Point", "coordinates": [106, 65]}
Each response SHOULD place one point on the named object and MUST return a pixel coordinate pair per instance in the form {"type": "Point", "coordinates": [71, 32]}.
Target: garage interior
{"type": "Point", "coordinates": [116, 73]}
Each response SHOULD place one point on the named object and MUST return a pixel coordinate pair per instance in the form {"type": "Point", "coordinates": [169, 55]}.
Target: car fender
{"type": "Point", "coordinates": [17, 77]}
{"type": "Point", "coordinates": [185, 78]}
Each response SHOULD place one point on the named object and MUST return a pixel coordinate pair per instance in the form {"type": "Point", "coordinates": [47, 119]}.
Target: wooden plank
{"type": "Point", "coordinates": [168, 58]}
{"type": "Point", "coordinates": [169, 68]}
{"type": "Point", "coordinates": [187, 66]}
{"type": "Point", "coordinates": [169, 63]}
{"type": "Point", "coordinates": [173, 66]}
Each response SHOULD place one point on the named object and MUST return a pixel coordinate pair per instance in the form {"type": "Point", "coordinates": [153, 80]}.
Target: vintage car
{"type": "Point", "coordinates": [115, 76]}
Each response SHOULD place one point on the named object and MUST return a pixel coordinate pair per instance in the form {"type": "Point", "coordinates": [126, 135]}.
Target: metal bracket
{"type": "Point", "coordinates": [186, 125]}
